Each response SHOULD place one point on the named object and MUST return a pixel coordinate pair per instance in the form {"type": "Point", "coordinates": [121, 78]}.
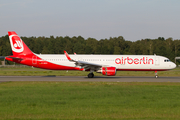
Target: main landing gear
{"type": "Point", "coordinates": [156, 75]}
{"type": "Point", "coordinates": [90, 75]}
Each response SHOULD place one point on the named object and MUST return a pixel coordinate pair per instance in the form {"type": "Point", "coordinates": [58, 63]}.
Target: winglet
{"type": "Point", "coordinates": [67, 55]}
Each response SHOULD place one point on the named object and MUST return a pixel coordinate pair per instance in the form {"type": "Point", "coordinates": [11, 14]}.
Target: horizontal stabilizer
{"type": "Point", "coordinates": [2, 57]}
{"type": "Point", "coordinates": [16, 58]}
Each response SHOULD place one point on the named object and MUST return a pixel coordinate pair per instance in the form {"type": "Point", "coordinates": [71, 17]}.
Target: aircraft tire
{"type": "Point", "coordinates": [90, 75]}
{"type": "Point", "coordinates": [156, 76]}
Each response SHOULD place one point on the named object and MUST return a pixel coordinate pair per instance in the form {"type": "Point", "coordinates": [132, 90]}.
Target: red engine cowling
{"type": "Point", "coordinates": [109, 71]}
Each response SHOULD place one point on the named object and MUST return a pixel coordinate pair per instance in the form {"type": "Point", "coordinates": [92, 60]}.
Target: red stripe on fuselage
{"type": "Point", "coordinates": [142, 69]}
{"type": "Point", "coordinates": [39, 63]}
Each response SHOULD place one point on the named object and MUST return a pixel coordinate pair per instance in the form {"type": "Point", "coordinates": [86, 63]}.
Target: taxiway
{"type": "Point", "coordinates": [85, 79]}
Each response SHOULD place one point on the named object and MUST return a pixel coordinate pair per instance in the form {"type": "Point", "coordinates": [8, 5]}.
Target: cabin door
{"type": "Point", "coordinates": [156, 60]}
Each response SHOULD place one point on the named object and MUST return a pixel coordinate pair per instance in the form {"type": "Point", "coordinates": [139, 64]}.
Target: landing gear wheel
{"type": "Point", "coordinates": [156, 76]}
{"type": "Point", "coordinates": [90, 75]}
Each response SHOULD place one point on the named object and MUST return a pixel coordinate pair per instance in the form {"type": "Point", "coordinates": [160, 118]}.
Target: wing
{"type": "Point", "coordinates": [83, 64]}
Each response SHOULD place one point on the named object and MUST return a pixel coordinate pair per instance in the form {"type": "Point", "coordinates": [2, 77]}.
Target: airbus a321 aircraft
{"type": "Point", "coordinates": [105, 64]}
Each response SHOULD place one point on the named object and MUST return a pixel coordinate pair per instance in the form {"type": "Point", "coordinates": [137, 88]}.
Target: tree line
{"type": "Point", "coordinates": [114, 45]}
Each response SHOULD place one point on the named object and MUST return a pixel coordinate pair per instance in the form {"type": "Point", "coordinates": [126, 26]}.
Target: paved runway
{"type": "Point", "coordinates": [85, 79]}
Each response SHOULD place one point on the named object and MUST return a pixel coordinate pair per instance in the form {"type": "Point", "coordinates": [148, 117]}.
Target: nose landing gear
{"type": "Point", "coordinates": [156, 75]}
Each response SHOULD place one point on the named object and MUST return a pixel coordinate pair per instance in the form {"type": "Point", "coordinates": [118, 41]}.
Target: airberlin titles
{"type": "Point", "coordinates": [128, 60]}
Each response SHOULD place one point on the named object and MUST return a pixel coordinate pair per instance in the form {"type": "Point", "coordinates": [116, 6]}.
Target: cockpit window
{"type": "Point", "coordinates": [167, 60]}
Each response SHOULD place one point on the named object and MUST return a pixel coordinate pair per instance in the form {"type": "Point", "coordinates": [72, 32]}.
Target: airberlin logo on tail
{"type": "Point", "coordinates": [16, 43]}
{"type": "Point", "coordinates": [128, 60]}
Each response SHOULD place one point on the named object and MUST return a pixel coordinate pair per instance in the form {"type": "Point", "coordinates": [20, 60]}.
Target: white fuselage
{"type": "Point", "coordinates": [121, 62]}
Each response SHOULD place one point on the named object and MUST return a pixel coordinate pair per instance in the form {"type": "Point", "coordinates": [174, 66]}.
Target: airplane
{"type": "Point", "coordinates": [105, 64]}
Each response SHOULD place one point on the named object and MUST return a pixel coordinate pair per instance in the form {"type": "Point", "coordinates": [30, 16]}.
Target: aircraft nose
{"type": "Point", "coordinates": [173, 65]}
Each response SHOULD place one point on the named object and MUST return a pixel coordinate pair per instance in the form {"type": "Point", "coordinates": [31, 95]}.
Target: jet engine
{"type": "Point", "coordinates": [109, 71]}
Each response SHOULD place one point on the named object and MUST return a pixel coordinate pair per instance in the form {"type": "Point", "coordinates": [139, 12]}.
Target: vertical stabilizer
{"type": "Point", "coordinates": [17, 45]}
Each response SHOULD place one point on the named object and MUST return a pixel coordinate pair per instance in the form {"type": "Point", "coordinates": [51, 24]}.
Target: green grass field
{"type": "Point", "coordinates": [89, 101]}
{"type": "Point", "coordinates": [28, 71]}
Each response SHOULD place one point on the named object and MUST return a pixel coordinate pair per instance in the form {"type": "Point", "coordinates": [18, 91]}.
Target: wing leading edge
{"type": "Point", "coordinates": [82, 64]}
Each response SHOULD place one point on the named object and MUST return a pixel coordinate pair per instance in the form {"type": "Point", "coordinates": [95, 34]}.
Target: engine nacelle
{"type": "Point", "coordinates": [109, 71]}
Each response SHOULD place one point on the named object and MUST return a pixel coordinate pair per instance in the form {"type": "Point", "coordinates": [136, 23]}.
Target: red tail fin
{"type": "Point", "coordinates": [17, 45]}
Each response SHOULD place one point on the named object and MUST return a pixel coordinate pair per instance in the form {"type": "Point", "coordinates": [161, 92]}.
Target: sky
{"type": "Point", "coordinates": [99, 19]}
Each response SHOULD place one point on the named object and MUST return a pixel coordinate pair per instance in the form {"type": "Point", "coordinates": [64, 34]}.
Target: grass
{"type": "Point", "coordinates": [28, 71]}
{"type": "Point", "coordinates": [89, 101]}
